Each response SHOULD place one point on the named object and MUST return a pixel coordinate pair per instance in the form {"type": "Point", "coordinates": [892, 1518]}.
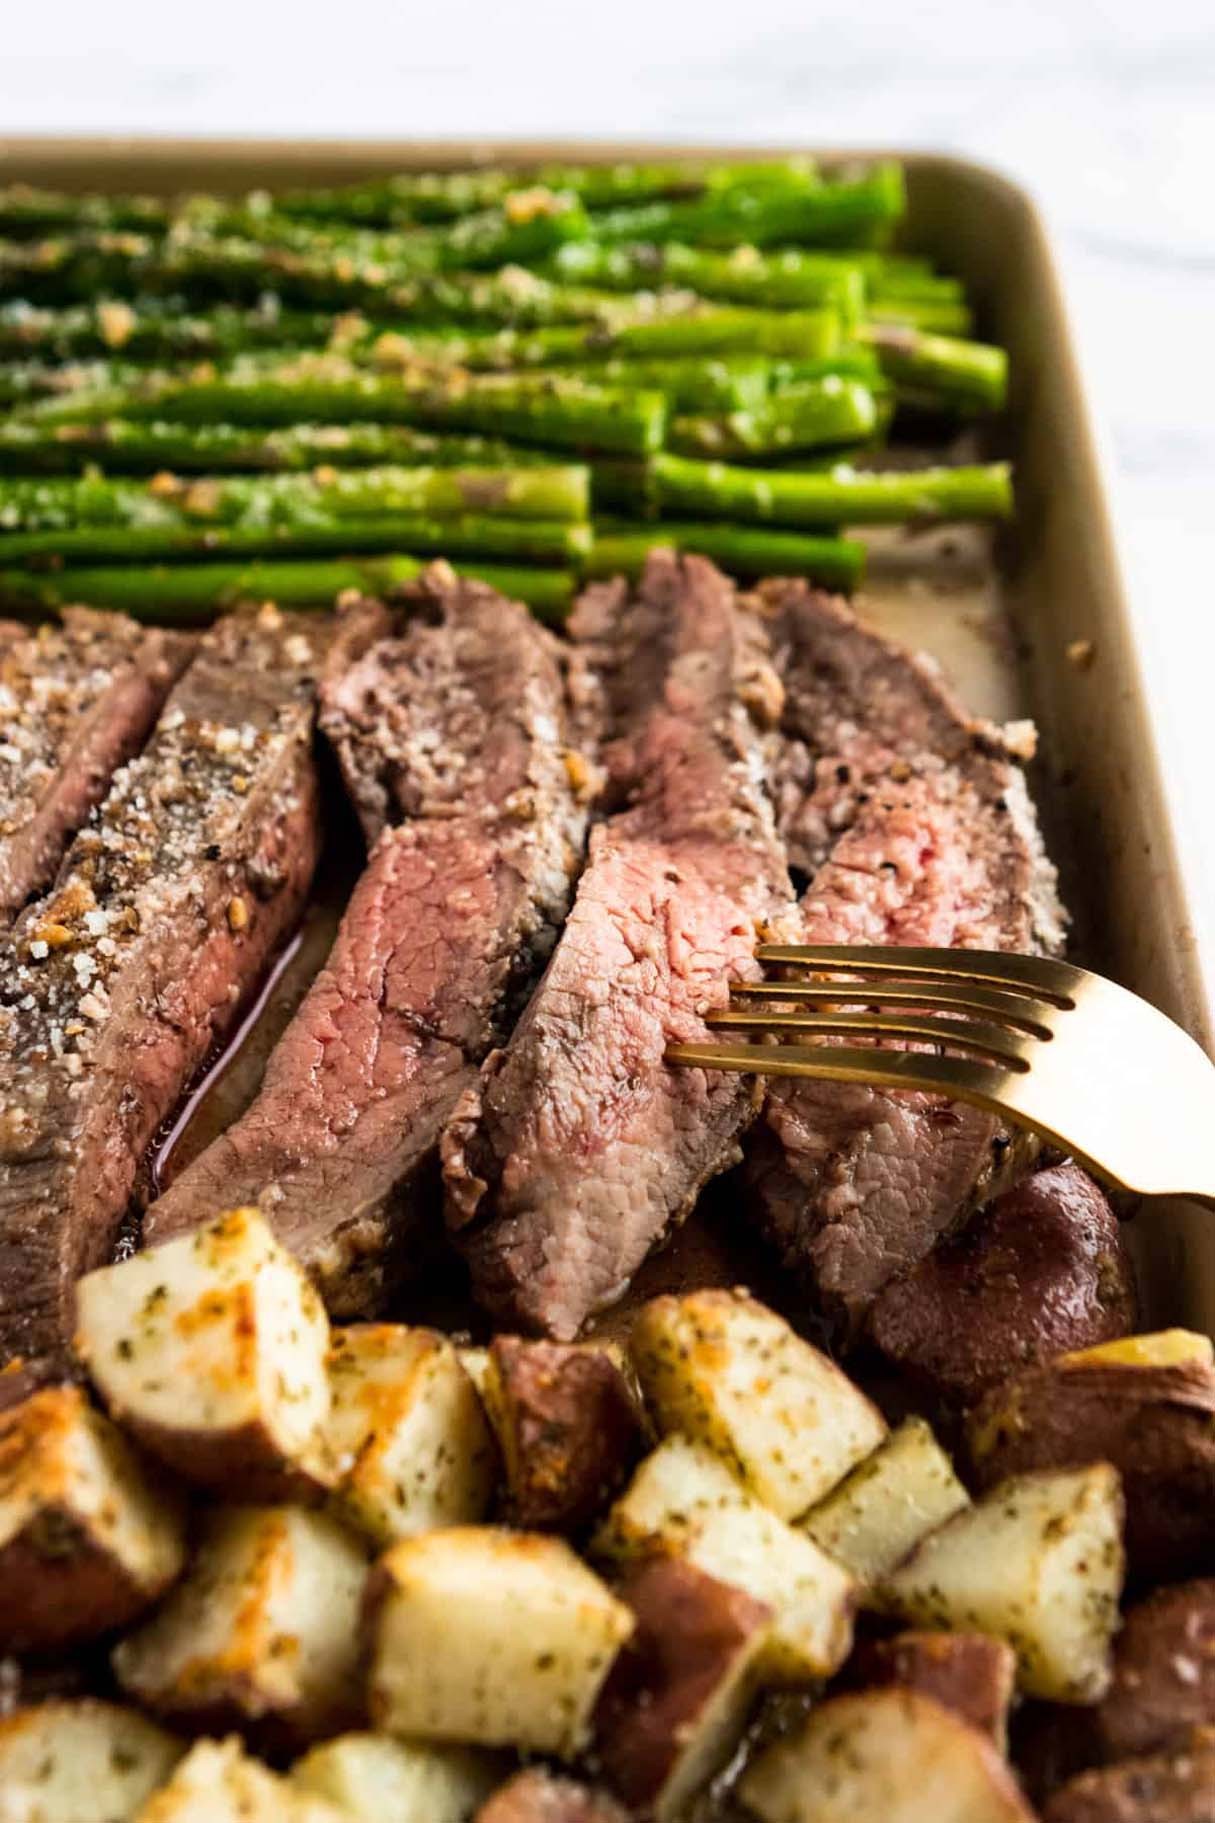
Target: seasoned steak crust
{"type": "Point", "coordinates": [458, 727]}
{"type": "Point", "coordinates": [913, 825]}
{"type": "Point", "coordinates": [579, 1146]}
{"type": "Point", "coordinates": [117, 983]}
{"type": "Point", "coordinates": [76, 701]}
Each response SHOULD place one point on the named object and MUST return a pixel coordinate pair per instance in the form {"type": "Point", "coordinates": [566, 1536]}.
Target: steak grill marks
{"type": "Point", "coordinates": [915, 827]}
{"type": "Point", "coordinates": [76, 701]}
{"type": "Point", "coordinates": [459, 728]}
{"type": "Point", "coordinates": [116, 984]}
{"type": "Point", "coordinates": [579, 1146]}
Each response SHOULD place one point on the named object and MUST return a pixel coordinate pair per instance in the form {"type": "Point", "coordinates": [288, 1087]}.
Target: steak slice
{"type": "Point", "coordinates": [117, 983]}
{"type": "Point", "coordinates": [76, 701]}
{"type": "Point", "coordinates": [579, 1145]}
{"type": "Point", "coordinates": [915, 827]}
{"type": "Point", "coordinates": [459, 727]}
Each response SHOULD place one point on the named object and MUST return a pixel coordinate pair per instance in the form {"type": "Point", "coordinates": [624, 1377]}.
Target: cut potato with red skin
{"type": "Point", "coordinates": [720, 1368]}
{"type": "Point", "coordinates": [887, 1504]}
{"type": "Point", "coordinates": [1146, 1405]}
{"type": "Point", "coordinates": [88, 1538]}
{"type": "Point", "coordinates": [1164, 1673]}
{"type": "Point", "coordinates": [674, 1707]}
{"type": "Point", "coordinates": [883, 1756]}
{"type": "Point", "coordinates": [539, 1796]}
{"type": "Point", "coordinates": [80, 1762]}
{"type": "Point", "coordinates": [212, 1351]}
{"type": "Point", "coordinates": [1037, 1562]}
{"type": "Point", "coordinates": [411, 1446]}
{"type": "Point", "coordinates": [1176, 1787]}
{"type": "Point", "coordinates": [971, 1674]}
{"type": "Point", "coordinates": [1040, 1270]}
{"type": "Point", "coordinates": [568, 1427]}
{"type": "Point", "coordinates": [684, 1502]}
{"type": "Point", "coordinates": [218, 1782]}
{"type": "Point", "coordinates": [374, 1779]}
{"type": "Point", "coordinates": [490, 1637]}
{"type": "Point", "coordinates": [261, 1633]}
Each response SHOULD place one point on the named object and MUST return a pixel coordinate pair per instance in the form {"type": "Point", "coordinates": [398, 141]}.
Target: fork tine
{"type": "Point", "coordinates": [961, 1078]}
{"type": "Point", "coordinates": [1012, 1009]}
{"type": "Point", "coordinates": [1038, 975]}
{"type": "Point", "coordinates": [978, 1035]}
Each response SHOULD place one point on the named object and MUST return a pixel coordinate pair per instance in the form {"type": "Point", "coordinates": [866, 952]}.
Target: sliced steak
{"type": "Point", "coordinates": [459, 727]}
{"type": "Point", "coordinates": [117, 983]}
{"type": "Point", "coordinates": [76, 701]}
{"type": "Point", "coordinates": [579, 1146]}
{"type": "Point", "coordinates": [913, 823]}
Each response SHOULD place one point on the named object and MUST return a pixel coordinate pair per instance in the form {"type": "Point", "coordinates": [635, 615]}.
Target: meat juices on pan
{"type": "Point", "coordinates": [459, 728]}
{"type": "Point", "coordinates": [116, 984]}
{"type": "Point", "coordinates": [914, 825]}
{"type": "Point", "coordinates": [76, 701]}
{"type": "Point", "coordinates": [579, 1146]}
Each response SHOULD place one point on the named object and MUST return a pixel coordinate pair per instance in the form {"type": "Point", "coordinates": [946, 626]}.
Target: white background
{"type": "Point", "coordinates": [1105, 108]}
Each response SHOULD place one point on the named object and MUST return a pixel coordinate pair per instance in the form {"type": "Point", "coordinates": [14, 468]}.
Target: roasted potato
{"type": "Point", "coordinates": [1040, 1270]}
{"type": "Point", "coordinates": [568, 1427]}
{"type": "Point", "coordinates": [496, 1638]}
{"type": "Point", "coordinates": [262, 1631]}
{"type": "Point", "coordinates": [684, 1502]}
{"type": "Point", "coordinates": [1037, 1562]}
{"type": "Point", "coordinates": [676, 1701]}
{"type": "Point", "coordinates": [1164, 1674]}
{"type": "Point", "coordinates": [372, 1778]}
{"type": "Point", "coordinates": [970, 1673]}
{"type": "Point", "coordinates": [80, 1762]}
{"type": "Point", "coordinates": [1147, 1405]}
{"type": "Point", "coordinates": [1177, 1787]}
{"type": "Point", "coordinates": [217, 1782]}
{"type": "Point", "coordinates": [887, 1504]}
{"type": "Point", "coordinates": [892, 1755]}
{"type": "Point", "coordinates": [720, 1368]}
{"type": "Point", "coordinates": [539, 1796]}
{"type": "Point", "coordinates": [410, 1443]}
{"type": "Point", "coordinates": [86, 1540]}
{"type": "Point", "coordinates": [211, 1349]}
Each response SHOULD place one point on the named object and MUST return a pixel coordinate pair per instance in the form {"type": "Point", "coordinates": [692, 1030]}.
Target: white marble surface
{"type": "Point", "coordinates": [1105, 108]}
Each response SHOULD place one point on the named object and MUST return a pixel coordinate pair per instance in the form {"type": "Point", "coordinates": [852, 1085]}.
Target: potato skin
{"type": "Point", "coordinates": [539, 1796]}
{"type": "Point", "coordinates": [1160, 1788]}
{"type": "Point", "coordinates": [1155, 1424]}
{"type": "Point", "coordinates": [970, 1673]}
{"type": "Point", "coordinates": [1040, 1271]}
{"type": "Point", "coordinates": [1164, 1674]}
{"type": "Point", "coordinates": [693, 1632]}
{"type": "Point", "coordinates": [570, 1429]}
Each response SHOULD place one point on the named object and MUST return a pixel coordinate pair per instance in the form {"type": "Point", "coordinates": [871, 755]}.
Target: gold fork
{"type": "Point", "coordinates": [1072, 1056]}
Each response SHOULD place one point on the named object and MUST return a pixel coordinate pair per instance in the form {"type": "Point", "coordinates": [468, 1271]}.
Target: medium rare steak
{"type": "Point", "coordinates": [579, 1146]}
{"type": "Point", "coordinates": [459, 727]}
{"type": "Point", "coordinates": [117, 983]}
{"type": "Point", "coordinates": [76, 701]}
{"type": "Point", "coordinates": [913, 823]}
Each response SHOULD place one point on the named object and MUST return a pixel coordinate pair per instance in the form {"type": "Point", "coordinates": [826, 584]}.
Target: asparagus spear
{"type": "Point", "coordinates": [443, 195]}
{"type": "Point", "coordinates": [155, 327]}
{"type": "Point", "coordinates": [938, 316]}
{"type": "Point", "coordinates": [25, 209]}
{"type": "Point", "coordinates": [840, 496]}
{"type": "Point", "coordinates": [784, 278]}
{"type": "Point", "coordinates": [23, 382]}
{"type": "Point", "coordinates": [548, 409]}
{"type": "Point", "coordinates": [481, 535]}
{"type": "Point", "coordinates": [707, 330]}
{"type": "Point", "coordinates": [745, 550]}
{"type": "Point", "coordinates": [823, 213]}
{"type": "Point", "coordinates": [290, 501]}
{"type": "Point", "coordinates": [941, 368]}
{"type": "Point", "coordinates": [196, 592]}
{"type": "Point", "coordinates": [810, 416]}
{"type": "Point", "coordinates": [694, 382]}
{"type": "Point", "coordinates": [123, 447]}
